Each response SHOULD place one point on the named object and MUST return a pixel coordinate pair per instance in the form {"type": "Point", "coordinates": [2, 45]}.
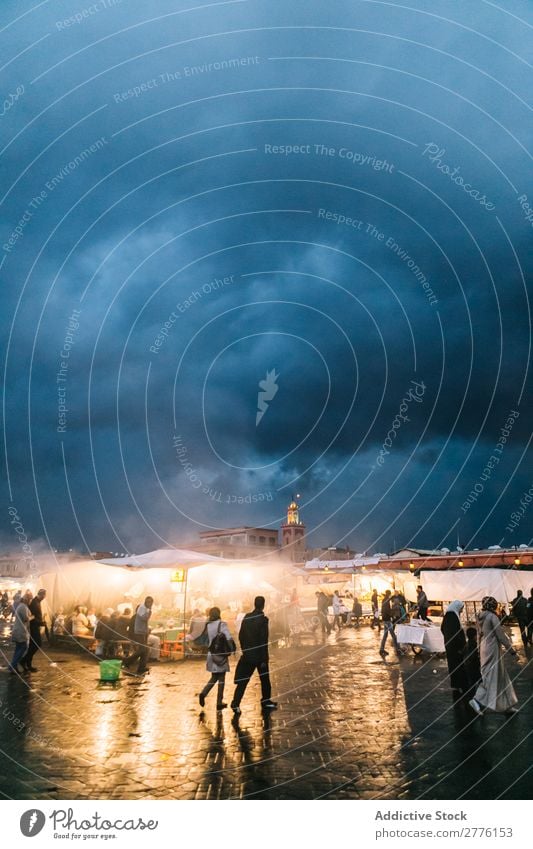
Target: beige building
{"type": "Point", "coordinates": [239, 543]}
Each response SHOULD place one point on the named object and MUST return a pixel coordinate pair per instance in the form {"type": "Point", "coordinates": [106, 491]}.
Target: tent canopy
{"type": "Point", "coordinates": [474, 584]}
{"type": "Point", "coordinates": [163, 558]}
{"type": "Point", "coordinates": [102, 584]}
{"type": "Point", "coordinates": [341, 565]}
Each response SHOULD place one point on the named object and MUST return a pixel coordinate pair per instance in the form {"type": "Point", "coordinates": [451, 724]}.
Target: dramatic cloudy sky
{"type": "Point", "coordinates": [334, 194]}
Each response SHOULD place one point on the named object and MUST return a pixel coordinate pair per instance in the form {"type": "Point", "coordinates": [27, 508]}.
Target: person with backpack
{"type": "Point", "coordinates": [253, 637]}
{"type": "Point", "coordinates": [398, 608]}
{"type": "Point", "coordinates": [221, 645]}
{"type": "Point", "coordinates": [138, 634]}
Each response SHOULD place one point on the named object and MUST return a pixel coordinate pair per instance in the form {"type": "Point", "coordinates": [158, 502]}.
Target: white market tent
{"type": "Point", "coordinates": [106, 583]}
{"type": "Point", "coordinates": [474, 584]}
{"type": "Point", "coordinates": [341, 565]}
{"type": "Point", "coordinates": [163, 558]}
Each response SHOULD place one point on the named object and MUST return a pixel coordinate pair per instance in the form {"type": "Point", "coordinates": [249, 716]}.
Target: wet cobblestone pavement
{"type": "Point", "coordinates": [349, 725]}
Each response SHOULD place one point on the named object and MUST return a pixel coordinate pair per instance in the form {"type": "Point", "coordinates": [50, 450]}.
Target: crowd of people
{"type": "Point", "coordinates": [474, 654]}
{"type": "Point", "coordinates": [393, 610]}
{"type": "Point", "coordinates": [113, 633]}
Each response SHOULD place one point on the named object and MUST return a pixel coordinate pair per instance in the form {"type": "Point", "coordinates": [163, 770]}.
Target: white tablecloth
{"type": "Point", "coordinates": [429, 637]}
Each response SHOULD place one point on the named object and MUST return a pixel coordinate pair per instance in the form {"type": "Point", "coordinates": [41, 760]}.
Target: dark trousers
{"type": "Point", "coordinates": [522, 624]}
{"type": "Point", "coordinates": [388, 629]}
{"type": "Point", "coordinates": [324, 621]}
{"type": "Point", "coordinates": [216, 678]}
{"type": "Point", "coordinates": [140, 652]}
{"type": "Point", "coordinates": [244, 671]}
{"type": "Point", "coordinates": [18, 655]}
{"type": "Point", "coordinates": [422, 613]}
{"type": "Point", "coordinates": [34, 646]}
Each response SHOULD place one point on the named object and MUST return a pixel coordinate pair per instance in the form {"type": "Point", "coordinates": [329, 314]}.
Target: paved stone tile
{"type": "Point", "coordinates": [350, 726]}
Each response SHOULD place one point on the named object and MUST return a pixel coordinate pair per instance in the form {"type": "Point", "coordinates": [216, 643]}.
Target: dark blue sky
{"type": "Point", "coordinates": [338, 194]}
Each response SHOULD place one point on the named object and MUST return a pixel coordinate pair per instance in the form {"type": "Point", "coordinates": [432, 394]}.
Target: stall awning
{"type": "Point", "coordinates": [163, 558]}
{"type": "Point", "coordinates": [474, 584]}
{"type": "Point", "coordinates": [341, 565]}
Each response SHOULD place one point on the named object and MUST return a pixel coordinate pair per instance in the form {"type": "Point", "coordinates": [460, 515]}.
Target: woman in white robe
{"type": "Point", "coordinates": [496, 691]}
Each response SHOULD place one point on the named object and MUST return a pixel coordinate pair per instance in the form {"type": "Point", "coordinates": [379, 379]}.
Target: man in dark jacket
{"type": "Point", "coordinates": [253, 637]}
{"type": "Point", "coordinates": [421, 604]}
{"type": "Point", "coordinates": [35, 630]}
{"type": "Point", "coordinates": [388, 625]}
{"type": "Point", "coordinates": [519, 608]}
{"type": "Point", "coordinates": [529, 608]}
{"type": "Point", "coordinates": [139, 637]}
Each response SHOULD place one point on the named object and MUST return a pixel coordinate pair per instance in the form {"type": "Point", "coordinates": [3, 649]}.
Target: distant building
{"type": "Point", "coordinates": [11, 567]}
{"type": "Point", "coordinates": [20, 568]}
{"type": "Point", "coordinates": [239, 543]}
{"type": "Point", "coordinates": [333, 552]}
{"type": "Point", "coordinates": [249, 542]}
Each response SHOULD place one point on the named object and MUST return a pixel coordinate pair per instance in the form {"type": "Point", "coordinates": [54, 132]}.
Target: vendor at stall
{"type": "Point", "coordinates": [80, 623]}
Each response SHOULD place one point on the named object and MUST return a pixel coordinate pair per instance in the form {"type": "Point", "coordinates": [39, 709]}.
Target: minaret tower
{"type": "Point", "coordinates": [293, 533]}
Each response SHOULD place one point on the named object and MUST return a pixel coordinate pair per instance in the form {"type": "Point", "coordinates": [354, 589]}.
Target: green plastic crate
{"type": "Point", "coordinates": [110, 670]}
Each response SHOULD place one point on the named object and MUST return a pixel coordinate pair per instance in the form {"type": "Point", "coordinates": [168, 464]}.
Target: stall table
{"type": "Point", "coordinates": [421, 637]}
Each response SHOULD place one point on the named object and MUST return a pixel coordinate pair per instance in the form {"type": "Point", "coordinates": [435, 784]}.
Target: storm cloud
{"type": "Point", "coordinates": [331, 201]}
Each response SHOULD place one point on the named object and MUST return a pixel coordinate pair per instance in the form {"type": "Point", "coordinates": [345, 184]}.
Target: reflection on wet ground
{"type": "Point", "coordinates": [350, 725]}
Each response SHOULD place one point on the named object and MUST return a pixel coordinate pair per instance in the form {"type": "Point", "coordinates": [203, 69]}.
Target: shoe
{"type": "Point", "coordinates": [475, 706]}
{"type": "Point", "coordinates": [221, 706]}
{"type": "Point", "coordinates": [201, 699]}
{"type": "Point", "coordinates": [236, 710]}
{"type": "Point", "coordinates": [383, 652]}
{"type": "Point", "coordinates": [270, 705]}
{"type": "Point", "coordinates": [511, 711]}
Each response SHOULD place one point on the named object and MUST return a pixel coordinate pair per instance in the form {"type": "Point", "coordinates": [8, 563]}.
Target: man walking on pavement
{"type": "Point", "coordinates": [140, 636]}
{"type": "Point", "coordinates": [35, 631]}
{"type": "Point", "coordinates": [253, 637]}
{"type": "Point", "coordinates": [388, 625]}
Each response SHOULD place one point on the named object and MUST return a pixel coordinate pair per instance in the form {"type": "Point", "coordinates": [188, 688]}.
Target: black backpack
{"type": "Point", "coordinates": [220, 647]}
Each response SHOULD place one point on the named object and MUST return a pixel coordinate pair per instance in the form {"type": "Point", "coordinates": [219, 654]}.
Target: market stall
{"type": "Point", "coordinates": [181, 582]}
